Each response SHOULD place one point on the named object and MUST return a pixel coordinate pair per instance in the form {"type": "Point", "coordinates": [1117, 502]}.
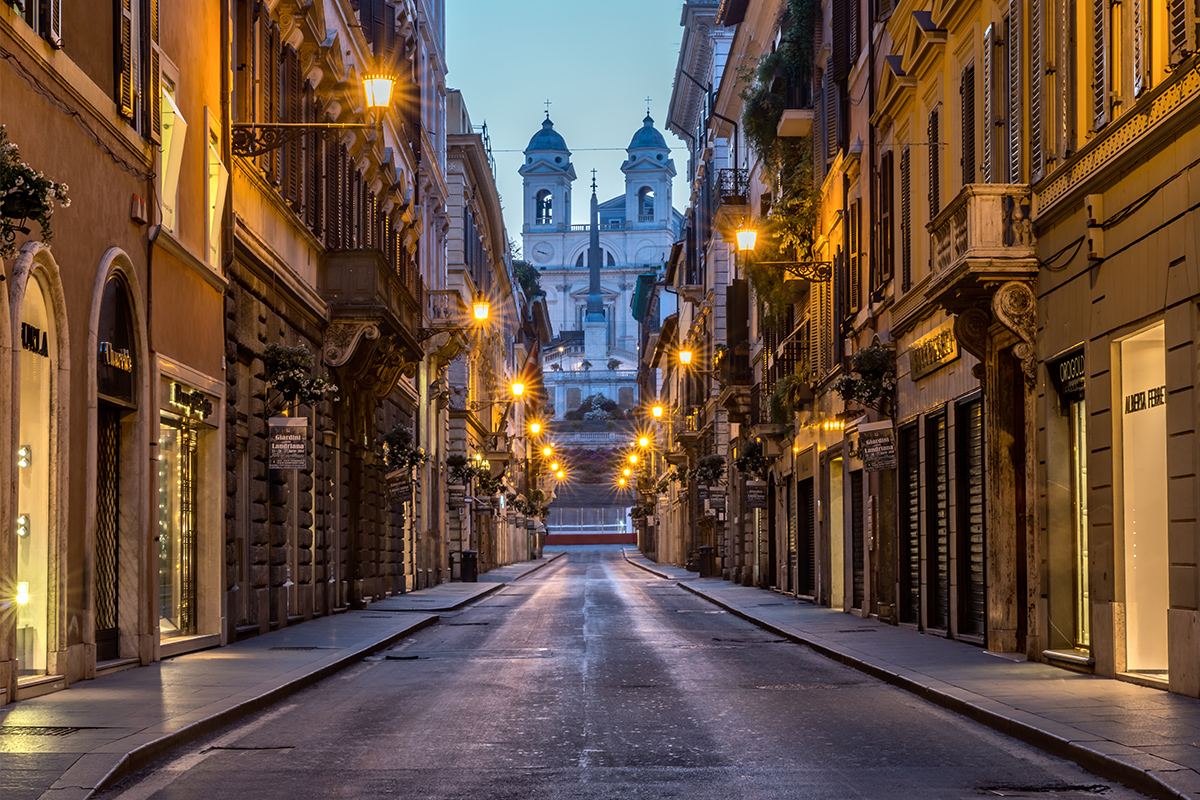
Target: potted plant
{"type": "Point", "coordinates": [25, 194]}
{"type": "Point", "coordinates": [398, 452]}
{"type": "Point", "coordinates": [751, 462]}
{"type": "Point", "coordinates": [461, 469]}
{"type": "Point", "coordinates": [871, 380]}
{"type": "Point", "coordinates": [287, 370]}
{"type": "Point", "coordinates": [709, 470]}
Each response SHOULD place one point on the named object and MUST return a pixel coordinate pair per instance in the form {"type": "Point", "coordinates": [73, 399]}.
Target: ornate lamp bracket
{"type": "Point", "coordinates": [815, 271]}
{"type": "Point", "coordinates": [254, 139]}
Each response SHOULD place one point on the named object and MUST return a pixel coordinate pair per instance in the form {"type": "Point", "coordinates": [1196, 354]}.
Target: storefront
{"type": "Point", "coordinates": [37, 353]}
{"type": "Point", "coordinates": [188, 526]}
{"type": "Point", "coordinates": [1142, 418]}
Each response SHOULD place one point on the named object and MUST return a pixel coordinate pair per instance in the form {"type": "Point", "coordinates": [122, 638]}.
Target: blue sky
{"type": "Point", "coordinates": [595, 62]}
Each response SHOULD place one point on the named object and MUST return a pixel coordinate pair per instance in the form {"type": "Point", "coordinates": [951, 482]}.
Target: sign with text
{"type": "Point", "coordinates": [756, 494]}
{"type": "Point", "coordinates": [877, 446]}
{"type": "Point", "coordinates": [933, 351]}
{"type": "Point", "coordinates": [399, 486]}
{"type": "Point", "coordinates": [288, 443]}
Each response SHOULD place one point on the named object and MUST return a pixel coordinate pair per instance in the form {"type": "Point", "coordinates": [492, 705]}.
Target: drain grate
{"type": "Point", "coordinates": [1050, 788]}
{"type": "Point", "coordinates": [858, 630]}
{"type": "Point", "coordinates": [36, 730]}
{"type": "Point", "coordinates": [796, 687]}
{"type": "Point", "coordinates": [300, 649]}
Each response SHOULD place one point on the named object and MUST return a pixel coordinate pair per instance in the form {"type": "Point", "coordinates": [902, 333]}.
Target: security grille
{"type": "Point", "coordinates": [910, 526]}
{"type": "Point", "coordinates": [857, 539]}
{"type": "Point", "coordinates": [972, 544]}
{"type": "Point", "coordinates": [938, 547]}
{"type": "Point", "coordinates": [108, 493]}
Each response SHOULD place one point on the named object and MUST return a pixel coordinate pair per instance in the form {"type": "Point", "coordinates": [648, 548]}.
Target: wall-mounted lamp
{"type": "Point", "coordinates": [657, 411]}
{"type": "Point", "coordinates": [22, 593]}
{"type": "Point", "coordinates": [24, 455]}
{"type": "Point", "coordinates": [23, 525]}
{"type": "Point", "coordinates": [256, 138]}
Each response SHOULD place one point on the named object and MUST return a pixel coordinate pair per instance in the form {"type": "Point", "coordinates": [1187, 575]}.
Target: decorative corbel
{"type": "Point", "coordinates": [971, 331]}
{"type": "Point", "coordinates": [1016, 309]}
{"type": "Point", "coordinates": [342, 338]}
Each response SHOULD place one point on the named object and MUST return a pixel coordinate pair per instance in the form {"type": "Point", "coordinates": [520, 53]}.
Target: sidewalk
{"type": "Point", "coordinates": [1147, 739]}
{"type": "Point", "coordinates": [67, 745]}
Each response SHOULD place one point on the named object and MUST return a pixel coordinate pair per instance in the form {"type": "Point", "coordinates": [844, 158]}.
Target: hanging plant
{"type": "Point", "coordinates": [871, 380]}
{"type": "Point", "coordinates": [709, 470]}
{"type": "Point", "coordinates": [751, 462]}
{"type": "Point", "coordinates": [288, 369]}
{"type": "Point", "coordinates": [25, 195]}
{"type": "Point", "coordinates": [487, 485]}
{"type": "Point", "coordinates": [398, 452]}
{"type": "Point", "coordinates": [790, 393]}
{"type": "Point", "coordinates": [642, 511]}
{"type": "Point", "coordinates": [461, 469]}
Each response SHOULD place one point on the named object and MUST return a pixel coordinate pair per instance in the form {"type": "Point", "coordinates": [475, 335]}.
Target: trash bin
{"type": "Point", "coordinates": [469, 573]}
{"type": "Point", "coordinates": [706, 561]}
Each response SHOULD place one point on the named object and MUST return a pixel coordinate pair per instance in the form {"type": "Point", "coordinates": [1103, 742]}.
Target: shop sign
{"type": "Point", "coordinates": [933, 351]}
{"type": "Point", "coordinates": [457, 494]}
{"type": "Point", "coordinates": [877, 446]}
{"type": "Point", "coordinates": [1069, 373]}
{"type": "Point", "coordinates": [1149, 398]}
{"type": "Point", "coordinates": [756, 494]}
{"type": "Point", "coordinates": [191, 402]}
{"type": "Point", "coordinates": [35, 340]}
{"type": "Point", "coordinates": [288, 443]}
{"type": "Point", "coordinates": [399, 486]}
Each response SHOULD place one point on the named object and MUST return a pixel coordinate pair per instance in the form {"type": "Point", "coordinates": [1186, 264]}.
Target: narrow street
{"type": "Point", "coordinates": [595, 679]}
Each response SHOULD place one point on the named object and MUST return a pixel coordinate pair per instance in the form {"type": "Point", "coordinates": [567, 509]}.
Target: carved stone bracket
{"type": "Point", "coordinates": [971, 331]}
{"type": "Point", "coordinates": [342, 338]}
{"type": "Point", "coordinates": [1015, 307]}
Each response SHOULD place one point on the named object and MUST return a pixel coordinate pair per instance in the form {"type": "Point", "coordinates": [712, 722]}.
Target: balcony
{"type": "Point", "coordinates": [364, 289]}
{"type": "Point", "coordinates": [983, 238]}
{"type": "Point", "coordinates": [737, 378]}
{"type": "Point", "coordinates": [797, 118]}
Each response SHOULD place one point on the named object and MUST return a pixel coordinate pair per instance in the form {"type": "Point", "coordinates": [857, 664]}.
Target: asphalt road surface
{"type": "Point", "coordinates": [594, 679]}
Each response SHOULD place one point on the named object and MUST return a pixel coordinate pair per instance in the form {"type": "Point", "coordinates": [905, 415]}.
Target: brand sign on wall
{"type": "Point", "coordinates": [288, 443]}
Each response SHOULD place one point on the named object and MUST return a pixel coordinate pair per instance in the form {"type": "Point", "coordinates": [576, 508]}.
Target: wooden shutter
{"type": "Point", "coordinates": [905, 219]}
{"type": "Point", "coordinates": [267, 80]}
{"type": "Point", "coordinates": [841, 40]}
{"type": "Point", "coordinates": [1181, 29]}
{"type": "Point", "coordinates": [124, 52]}
{"type": "Point", "coordinates": [389, 28]}
{"type": "Point", "coordinates": [1037, 79]}
{"type": "Point", "coordinates": [1099, 25]}
{"type": "Point", "coordinates": [935, 164]}
{"type": "Point", "coordinates": [831, 117]}
{"type": "Point", "coordinates": [154, 71]}
{"type": "Point", "coordinates": [967, 93]}
{"type": "Point", "coordinates": [887, 250]}
{"type": "Point", "coordinates": [312, 162]}
{"type": "Point", "coordinates": [854, 11]}
{"type": "Point", "coordinates": [293, 99]}
{"type": "Point", "coordinates": [52, 27]}
{"type": "Point", "coordinates": [819, 137]}
{"type": "Point", "coordinates": [1013, 42]}
{"type": "Point", "coordinates": [854, 290]}
{"type": "Point", "coordinates": [989, 112]}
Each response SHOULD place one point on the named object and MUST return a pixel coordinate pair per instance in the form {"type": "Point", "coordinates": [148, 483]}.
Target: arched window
{"type": "Point", "coordinates": [609, 260]}
{"type": "Point", "coordinates": [544, 207]}
{"type": "Point", "coordinates": [645, 204]}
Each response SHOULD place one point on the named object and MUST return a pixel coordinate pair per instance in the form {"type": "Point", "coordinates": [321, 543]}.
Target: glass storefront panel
{"type": "Point", "coordinates": [1083, 607]}
{"type": "Point", "coordinates": [38, 354]}
{"type": "Point", "coordinates": [1143, 416]}
{"type": "Point", "coordinates": [178, 523]}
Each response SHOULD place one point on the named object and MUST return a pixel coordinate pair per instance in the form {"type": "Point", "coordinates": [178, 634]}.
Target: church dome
{"type": "Point", "coordinates": [648, 136]}
{"type": "Point", "coordinates": [547, 138]}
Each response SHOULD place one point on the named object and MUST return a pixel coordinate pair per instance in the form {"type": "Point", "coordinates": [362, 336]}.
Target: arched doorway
{"type": "Point", "coordinates": [40, 376]}
{"type": "Point", "coordinates": [118, 446]}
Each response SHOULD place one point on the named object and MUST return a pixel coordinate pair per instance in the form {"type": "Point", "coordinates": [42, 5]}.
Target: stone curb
{"type": "Point", "coordinates": [1092, 760]}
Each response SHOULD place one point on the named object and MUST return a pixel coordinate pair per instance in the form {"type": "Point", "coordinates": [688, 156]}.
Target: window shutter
{"type": "Point", "coordinates": [1037, 76]}
{"type": "Point", "coordinates": [967, 91]}
{"type": "Point", "coordinates": [905, 219]}
{"type": "Point", "coordinates": [989, 115]}
{"type": "Point", "coordinates": [855, 12]}
{"type": "Point", "coordinates": [1181, 29]}
{"type": "Point", "coordinates": [1099, 63]}
{"type": "Point", "coordinates": [389, 28]}
{"type": "Point", "coordinates": [53, 25]}
{"type": "Point", "coordinates": [331, 197]}
{"type": "Point", "coordinates": [125, 60]}
{"type": "Point", "coordinates": [840, 22]}
{"type": "Point", "coordinates": [831, 137]}
{"type": "Point", "coordinates": [855, 287]}
{"type": "Point", "coordinates": [292, 92]}
{"type": "Point", "coordinates": [887, 235]}
{"type": "Point", "coordinates": [312, 163]}
{"type": "Point", "coordinates": [1013, 40]}
{"type": "Point", "coordinates": [154, 73]}
{"type": "Point", "coordinates": [819, 137]}
{"type": "Point", "coordinates": [935, 175]}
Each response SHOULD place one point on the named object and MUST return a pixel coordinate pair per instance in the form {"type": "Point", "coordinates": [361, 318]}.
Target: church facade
{"type": "Point", "coordinates": [629, 235]}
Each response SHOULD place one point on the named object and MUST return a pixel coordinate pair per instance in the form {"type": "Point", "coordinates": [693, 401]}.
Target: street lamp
{"type": "Point", "coordinates": [518, 389]}
{"type": "Point", "coordinates": [535, 428]}
{"type": "Point", "coordinates": [547, 450]}
{"type": "Point", "coordinates": [480, 310]}
{"type": "Point", "coordinates": [255, 138]}
{"type": "Point", "coordinates": [685, 356]}
{"type": "Point", "coordinates": [633, 458]}
{"type": "Point", "coordinates": [628, 472]}
{"type": "Point", "coordinates": [644, 441]}
{"type": "Point", "coordinates": [815, 271]}
{"type": "Point", "coordinates": [657, 412]}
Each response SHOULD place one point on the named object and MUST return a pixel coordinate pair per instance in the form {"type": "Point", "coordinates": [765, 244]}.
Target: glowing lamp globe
{"type": "Point", "coordinates": [657, 411]}
{"type": "Point", "coordinates": [518, 389]}
{"type": "Point", "coordinates": [746, 237]}
{"type": "Point", "coordinates": [482, 308]}
{"type": "Point", "coordinates": [535, 427]}
{"type": "Point", "coordinates": [685, 356]}
{"type": "Point", "coordinates": [377, 88]}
